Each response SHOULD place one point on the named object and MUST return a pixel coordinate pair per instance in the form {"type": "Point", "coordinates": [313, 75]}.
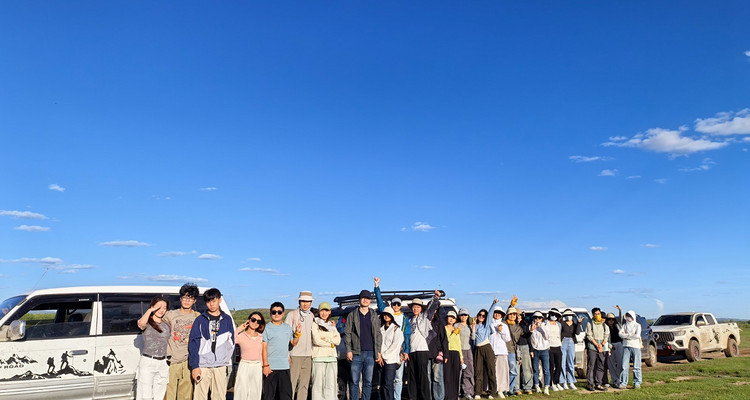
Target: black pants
{"type": "Point", "coordinates": [452, 375]}
{"type": "Point", "coordinates": [595, 371]}
{"type": "Point", "coordinates": [484, 360]}
{"type": "Point", "coordinates": [277, 385]}
{"type": "Point", "coordinates": [387, 379]}
{"type": "Point", "coordinates": [420, 386]}
{"type": "Point", "coordinates": [555, 364]}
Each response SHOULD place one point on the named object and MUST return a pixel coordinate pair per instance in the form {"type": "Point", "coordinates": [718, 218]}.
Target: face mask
{"type": "Point", "coordinates": [552, 318]}
{"type": "Point", "coordinates": [597, 318]}
{"type": "Point", "coordinates": [568, 318]}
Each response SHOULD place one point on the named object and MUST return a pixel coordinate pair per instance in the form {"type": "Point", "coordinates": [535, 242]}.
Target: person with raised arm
{"type": "Point", "coordinates": [484, 357]}
{"type": "Point", "coordinates": [515, 330]}
{"type": "Point", "coordinates": [153, 370]}
{"type": "Point", "coordinates": [363, 341]}
{"type": "Point", "coordinates": [498, 340]}
{"type": "Point", "coordinates": [422, 332]}
{"type": "Point", "coordinates": [402, 322]}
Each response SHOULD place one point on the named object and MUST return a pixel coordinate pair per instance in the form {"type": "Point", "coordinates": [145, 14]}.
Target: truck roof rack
{"type": "Point", "coordinates": [389, 294]}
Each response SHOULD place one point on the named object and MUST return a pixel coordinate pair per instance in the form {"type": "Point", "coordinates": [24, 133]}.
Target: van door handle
{"type": "Point", "coordinates": [78, 352]}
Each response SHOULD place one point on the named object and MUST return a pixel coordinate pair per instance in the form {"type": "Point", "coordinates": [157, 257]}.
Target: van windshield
{"type": "Point", "coordinates": [8, 304]}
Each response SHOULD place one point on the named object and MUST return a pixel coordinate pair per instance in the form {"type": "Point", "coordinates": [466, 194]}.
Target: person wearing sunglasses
{"type": "Point", "coordinates": [484, 357]}
{"type": "Point", "coordinates": [400, 320]}
{"type": "Point", "coordinates": [249, 336]}
{"type": "Point", "coordinates": [277, 336]}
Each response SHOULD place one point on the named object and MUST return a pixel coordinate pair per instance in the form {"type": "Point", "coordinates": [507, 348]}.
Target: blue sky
{"type": "Point", "coordinates": [579, 153]}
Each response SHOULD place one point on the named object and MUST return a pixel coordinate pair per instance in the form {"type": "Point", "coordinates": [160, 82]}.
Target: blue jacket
{"type": "Point", "coordinates": [483, 331]}
{"type": "Point", "coordinates": [199, 345]}
{"type": "Point", "coordinates": [405, 326]}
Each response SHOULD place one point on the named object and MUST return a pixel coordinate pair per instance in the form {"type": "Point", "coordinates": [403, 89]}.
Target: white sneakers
{"type": "Point", "coordinates": [536, 389]}
{"type": "Point", "coordinates": [546, 390]}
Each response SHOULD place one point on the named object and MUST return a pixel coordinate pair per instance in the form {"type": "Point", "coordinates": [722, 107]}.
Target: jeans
{"type": "Point", "coordinates": [627, 352]}
{"type": "Point", "coordinates": [362, 366]}
{"type": "Point", "coordinates": [542, 355]}
{"type": "Point", "coordinates": [512, 372]}
{"type": "Point", "coordinates": [388, 376]}
{"type": "Point", "coordinates": [438, 388]}
{"type": "Point", "coordinates": [398, 383]}
{"type": "Point", "coordinates": [568, 361]}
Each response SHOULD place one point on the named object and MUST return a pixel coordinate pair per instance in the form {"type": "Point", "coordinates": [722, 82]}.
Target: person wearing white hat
{"type": "Point", "coordinates": [301, 366]}
{"type": "Point", "coordinates": [500, 336]}
{"type": "Point", "coordinates": [403, 322]}
{"type": "Point", "coordinates": [325, 338]}
{"type": "Point", "coordinates": [540, 344]}
{"type": "Point", "coordinates": [516, 331]}
{"type": "Point", "coordinates": [393, 339]}
{"type": "Point", "coordinates": [631, 347]}
{"type": "Point", "coordinates": [419, 356]}
{"type": "Point", "coordinates": [569, 331]}
{"type": "Point", "coordinates": [555, 347]}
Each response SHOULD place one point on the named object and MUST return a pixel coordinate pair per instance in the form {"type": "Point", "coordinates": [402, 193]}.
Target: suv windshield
{"type": "Point", "coordinates": [8, 304]}
{"type": "Point", "coordinates": [673, 320]}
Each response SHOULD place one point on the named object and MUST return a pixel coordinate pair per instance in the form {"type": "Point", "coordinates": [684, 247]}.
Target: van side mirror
{"type": "Point", "coordinates": [700, 323]}
{"type": "Point", "coordinates": [17, 330]}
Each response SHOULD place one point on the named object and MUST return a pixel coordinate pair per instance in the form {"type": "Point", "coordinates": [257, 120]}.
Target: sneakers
{"type": "Point", "coordinates": [546, 390]}
{"type": "Point", "coordinates": [572, 386]}
{"type": "Point", "coordinates": [607, 385]}
{"type": "Point", "coordinates": [637, 387]}
{"type": "Point", "coordinates": [555, 388]}
{"type": "Point", "coordinates": [536, 389]}
{"type": "Point", "coordinates": [622, 387]}
{"type": "Point", "coordinates": [477, 397]}
{"type": "Point", "coordinates": [601, 388]}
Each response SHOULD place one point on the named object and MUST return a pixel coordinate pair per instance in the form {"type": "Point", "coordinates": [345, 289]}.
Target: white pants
{"type": "Point", "coordinates": [249, 383]}
{"type": "Point", "coordinates": [152, 377]}
{"type": "Point", "coordinates": [324, 385]}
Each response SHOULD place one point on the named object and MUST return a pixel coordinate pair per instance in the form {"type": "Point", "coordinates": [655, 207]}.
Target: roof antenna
{"type": "Point", "coordinates": [40, 278]}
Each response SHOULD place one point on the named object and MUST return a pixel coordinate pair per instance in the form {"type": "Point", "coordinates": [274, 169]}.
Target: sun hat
{"type": "Point", "coordinates": [396, 300]}
{"type": "Point", "coordinates": [305, 296]}
{"type": "Point", "coordinates": [452, 313]}
{"type": "Point", "coordinates": [512, 310]}
{"type": "Point", "coordinates": [389, 311]}
{"type": "Point", "coordinates": [417, 302]}
{"type": "Point", "coordinates": [463, 311]}
{"type": "Point", "coordinates": [537, 314]}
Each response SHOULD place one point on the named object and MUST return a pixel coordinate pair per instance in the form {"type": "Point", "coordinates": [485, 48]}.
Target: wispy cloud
{"type": "Point", "coordinates": [253, 259]}
{"type": "Point", "coordinates": [424, 267]}
{"type": "Point", "coordinates": [659, 305]}
{"type": "Point", "coordinates": [22, 214]}
{"type": "Point", "coordinates": [725, 123]}
{"type": "Point", "coordinates": [583, 159]}
{"type": "Point", "coordinates": [651, 245]}
{"type": "Point", "coordinates": [674, 142]}
{"type": "Point", "coordinates": [270, 271]}
{"type": "Point", "coordinates": [124, 243]}
{"type": "Point", "coordinates": [541, 305]}
{"type": "Point", "coordinates": [597, 248]}
{"type": "Point", "coordinates": [705, 165]}
{"type": "Point", "coordinates": [160, 197]}
{"type": "Point", "coordinates": [633, 177]}
{"type": "Point", "coordinates": [485, 293]}
{"type": "Point", "coordinates": [29, 260]}
{"type": "Point", "coordinates": [747, 53]}
{"type": "Point", "coordinates": [32, 228]}
{"type": "Point", "coordinates": [173, 278]}
{"type": "Point", "coordinates": [56, 187]}
{"type": "Point", "coordinates": [422, 227]}
{"type": "Point", "coordinates": [72, 268]}
{"type": "Point", "coordinates": [208, 256]}
{"type": "Point", "coordinates": [660, 181]}
{"type": "Point", "coordinates": [608, 172]}
{"type": "Point", "coordinates": [176, 253]}
{"type": "Point", "coordinates": [341, 293]}
{"type": "Point", "coordinates": [208, 189]}
{"type": "Point", "coordinates": [618, 272]}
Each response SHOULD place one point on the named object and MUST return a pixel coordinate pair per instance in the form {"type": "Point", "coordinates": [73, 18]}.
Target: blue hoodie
{"type": "Point", "coordinates": [200, 354]}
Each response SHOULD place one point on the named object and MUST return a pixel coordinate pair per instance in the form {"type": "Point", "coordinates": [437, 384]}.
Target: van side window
{"type": "Point", "coordinates": [121, 316]}
{"type": "Point", "coordinates": [710, 319]}
{"type": "Point", "coordinates": [56, 318]}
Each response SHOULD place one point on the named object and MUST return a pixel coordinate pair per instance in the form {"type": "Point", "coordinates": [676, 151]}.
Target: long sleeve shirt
{"type": "Point", "coordinates": [393, 338]}
{"type": "Point", "coordinates": [500, 335]}
{"type": "Point", "coordinates": [596, 334]}
{"type": "Point", "coordinates": [540, 337]}
{"type": "Point", "coordinates": [421, 327]}
{"type": "Point", "coordinates": [483, 331]}
{"type": "Point", "coordinates": [400, 319]}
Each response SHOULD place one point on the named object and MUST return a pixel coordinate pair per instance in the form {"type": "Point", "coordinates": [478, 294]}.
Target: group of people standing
{"type": "Point", "coordinates": [498, 353]}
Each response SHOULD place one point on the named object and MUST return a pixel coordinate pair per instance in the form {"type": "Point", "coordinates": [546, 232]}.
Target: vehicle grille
{"type": "Point", "coordinates": [664, 337]}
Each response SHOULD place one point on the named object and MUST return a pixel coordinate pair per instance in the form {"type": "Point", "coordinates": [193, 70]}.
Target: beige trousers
{"type": "Point", "coordinates": [300, 371]}
{"type": "Point", "coordinates": [325, 385]}
{"type": "Point", "coordinates": [180, 386]}
{"type": "Point", "coordinates": [214, 379]}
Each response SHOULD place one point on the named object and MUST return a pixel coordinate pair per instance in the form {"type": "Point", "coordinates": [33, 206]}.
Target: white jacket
{"type": "Point", "coordinates": [540, 337]}
{"type": "Point", "coordinates": [393, 338]}
{"type": "Point", "coordinates": [630, 332]}
{"type": "Point", "coordinates": [498, 339]}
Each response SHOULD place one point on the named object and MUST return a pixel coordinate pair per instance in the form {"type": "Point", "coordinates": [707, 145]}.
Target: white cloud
{"type": "Point", "coordinates": [661, 181]}
{"type": "Point", "coordinates": [541, 305]}
{"type": "Point", "coordinates": [485, 293]}
{"type": "Point", "coordinates": [270, 271]}
{"type": "Point", "coordinates": [651, 245]}
{"type": "Point", "coordinates": [29, 260]}
{"type": "Point", "coordinates": [32, 228]}
{"type": "Point", "coordinates": [159, 197]}
{"type": "Point", "coordinates": [617, 138]}
{"type": "Point", "coordinates": [725, 123]}
{"type": "Point", "coordinates": [597, 248]}
{"type": "Point", "coordinates": [404, 229]}
{"type": "Point", "coordinates": [422, 227]}
{"type": "Point", "coordinates": [124, 243]}
{"type": "Point", "coordinates": [253, 259]}
{"type": "Point", "coordinates": [660, 305]}
{"type": "Point", "coordinates": [747, 53]}
{"type": "Point", "coordinates": [207, 189]}
{"type": "Point", "coordinates": [668, 141]}
{"type": "Point", "coordinates": [173, 278]}
{"type": "Point", "coordinates": [176, 253]}
{"type": "Point", "coordinates": [618, 272]}
{"type": "Point", "coordinates": [72, 268]}
{"type": "Point", "coordinates": [22, 214]}
{"type": "Point", "coordinates": [56, 187]}
{"type": "Point", "coordinates": [705, 165]}
{"type": "Point", "coordinates": [208, 256]}
{"type": "Point", "coordinates": [582, 159]}
{"type": "Point", "coordinates": [633, 177]}
{"type": "Point", "coordinates": [424, 267]}
{"type": "Point", "coordinates": [746, 139]}
{"type": "Point", "coordinates": [341, 293]}
{"type": "Point", "coordinates": [608, 172]}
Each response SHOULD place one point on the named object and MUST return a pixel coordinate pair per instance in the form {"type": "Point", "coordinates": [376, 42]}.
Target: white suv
{"type": "Point", "coordinates": [75, 342]}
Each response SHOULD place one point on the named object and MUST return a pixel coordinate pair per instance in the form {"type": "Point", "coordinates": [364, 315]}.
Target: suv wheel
{"type": "Point", "coordinates": [651, 360]}
{"type": "Point", "coordinates": [693, 352]}
{"type": "Point", "coordinates": [732, 350]}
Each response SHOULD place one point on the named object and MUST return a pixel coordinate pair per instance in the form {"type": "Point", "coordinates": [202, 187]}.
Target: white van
{"type": "Point", "coordinates": [76, 342]}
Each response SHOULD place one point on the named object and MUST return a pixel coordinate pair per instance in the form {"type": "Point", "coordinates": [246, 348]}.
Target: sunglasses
{"type": "Point", "coordinates": [256, 320]}
{"type": "Point", "coordinates": [277, 312]}
{"type": "Point", "coordinates": [396, 304]}
{"type": "Point", "coordinates": [481, 315]}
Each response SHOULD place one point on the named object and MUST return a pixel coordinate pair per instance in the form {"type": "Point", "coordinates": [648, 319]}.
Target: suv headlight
{"type": "Point", "coordinates": [681, 332]}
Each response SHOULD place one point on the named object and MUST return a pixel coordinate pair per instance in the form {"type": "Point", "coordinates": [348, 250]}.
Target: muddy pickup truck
{"type": "Point", "coordinates": [694, 333]}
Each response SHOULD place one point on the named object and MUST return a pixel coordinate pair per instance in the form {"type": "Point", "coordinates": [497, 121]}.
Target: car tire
{"type": "Point", "coordinates": [651, 360]}
{"type": "Point", "coordinates": [693, 352]}
{"type": "Point", "coordinates": [581, 373]}
{"type": "Point", "coordinates": [732, 350]}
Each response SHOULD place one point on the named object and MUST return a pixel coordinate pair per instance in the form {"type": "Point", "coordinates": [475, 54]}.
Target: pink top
{"type": "Point", "coordinates": [251, 347]}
